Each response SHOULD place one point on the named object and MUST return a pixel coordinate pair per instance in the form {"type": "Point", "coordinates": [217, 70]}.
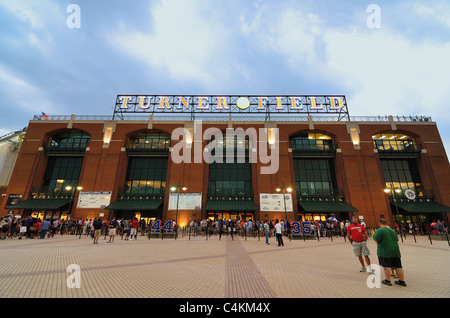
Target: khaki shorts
{"type": "Point", "coordinates": [133, 231]}
{"type": "Point", "coordinates": [112, 231]}
{"type": "Point", "coordinates": [360, 249]}
{"type": "Point", "coordinates": [97, 233]}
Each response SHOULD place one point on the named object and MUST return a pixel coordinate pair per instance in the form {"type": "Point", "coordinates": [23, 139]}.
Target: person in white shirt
{"type": "Point", "coordinates": [279, 233]}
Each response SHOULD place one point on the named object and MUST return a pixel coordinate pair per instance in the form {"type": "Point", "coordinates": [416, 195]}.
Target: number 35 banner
{"type": "Point", "coordinates": [301, 228]}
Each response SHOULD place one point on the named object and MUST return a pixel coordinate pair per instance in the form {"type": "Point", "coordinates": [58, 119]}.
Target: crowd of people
{"type": "Point", "coordinates": [31, 227]}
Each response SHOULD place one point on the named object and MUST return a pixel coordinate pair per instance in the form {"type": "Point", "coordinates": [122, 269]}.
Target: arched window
{"type": "Point", "coordinates": [390, 141]}
{"type": "Point", "coordinates": [311, 141]}
{"type": "Point", "coordinates": [150, 141]}
{"type": "Point", "coordinates": [70, 140]}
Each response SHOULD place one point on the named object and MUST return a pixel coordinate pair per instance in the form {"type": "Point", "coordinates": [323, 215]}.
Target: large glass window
{"type": "Point", "coordinates": [230, 178]}
{"type": "Point", "coordinates": [70, 140]}
{"type": "Point", "coordinates": [401, 174]}
{"type": "Point", "coordinates": [314, 177]}
{"type": "Point", "coordinates": [146, 175]}
{"type": "Point", "coordinates": [311, 141]}
{"type": "Point", "coordinates": [393, 142]}
{"type": "Point", "coordinates": [150, 140]}
{"type": "Point", "coordinates": [62, 172]}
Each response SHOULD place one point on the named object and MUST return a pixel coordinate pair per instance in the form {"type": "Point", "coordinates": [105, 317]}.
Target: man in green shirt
{"type": "Point", "coordinates": [388, 252]}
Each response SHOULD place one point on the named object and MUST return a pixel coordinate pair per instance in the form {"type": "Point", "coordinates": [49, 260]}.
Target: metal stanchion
{"type": "Point", "coordinates": [429, 236]}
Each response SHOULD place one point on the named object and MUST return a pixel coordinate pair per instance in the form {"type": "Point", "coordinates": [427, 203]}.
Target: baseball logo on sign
{"type": "Point", "coordinates": [410, 194]}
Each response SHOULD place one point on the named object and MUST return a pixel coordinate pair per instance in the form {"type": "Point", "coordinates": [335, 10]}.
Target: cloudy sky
{"type": "Point", "coordinates": [228, 47]}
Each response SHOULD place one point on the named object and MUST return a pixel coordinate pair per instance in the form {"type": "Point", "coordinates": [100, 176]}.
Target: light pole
{"type": "Point", "coordinates": [284, 189]}
{"type": "Point", "coordinates": [173, 189]}
{"type": "Point", "coordinates": [391, 190]}
{"type": "Point", "coordinates": [68, 188]}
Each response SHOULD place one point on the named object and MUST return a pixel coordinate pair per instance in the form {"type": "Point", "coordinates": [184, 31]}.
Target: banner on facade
{"type": "Point", "coordinates": [94, 200]}
{"type": "Point", "coordinates": [186, 201]}
{"type": "Point", "coordinates": [12, 200]}
{"type": "Point", "coordinates": [275, 203]}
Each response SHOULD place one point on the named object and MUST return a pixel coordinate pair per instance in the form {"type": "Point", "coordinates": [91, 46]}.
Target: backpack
{"type": "Point", "coordinates": [271, 225]}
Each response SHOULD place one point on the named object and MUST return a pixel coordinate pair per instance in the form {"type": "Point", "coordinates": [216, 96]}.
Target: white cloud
{"type": "Point", "coordinates": [26, 96]}
{"type": "Point", "coordinates": [185, 40]}
{"type": "Point", "coordinates": [39, 19]}
{"type": "Point", "coordinates": [439, 12]}
{"type": "Point", "coordinates": [381, 71]}
{"type": "Point", "coordinates": [387, 73]}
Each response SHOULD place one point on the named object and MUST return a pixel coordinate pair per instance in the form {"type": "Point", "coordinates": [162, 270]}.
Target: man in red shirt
{"type": "Point", "coordinates": [357, 236]}
{"type": "Point", "coordinates": [134, 227]}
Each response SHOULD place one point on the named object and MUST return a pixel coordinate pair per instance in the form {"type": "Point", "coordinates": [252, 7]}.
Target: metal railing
{"type": "Point", "coordinates": [321, 194]}
{"type": "Point", "coordinates": [150, 147]}
{"type": "Point", "coordinates": [256, 117]}
{"type": "Point", "coordinates": [46, 192]}
{"type": "Point", "coordinates": [72, 147]}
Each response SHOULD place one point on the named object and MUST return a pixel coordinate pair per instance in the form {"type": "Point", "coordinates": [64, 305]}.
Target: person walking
{"type": "Point", "coordinates": [267, 231]}
{"type": "Point", "coordinates": [357, 236]}
{"type": "Point", "coordinates": [279, 232]}
{"type": "Point", "coordinates": [54, 228]}
{"type": "Point", "coordinates": [388, 252]}
{"type": "Point", "coordinates": [44, 228]}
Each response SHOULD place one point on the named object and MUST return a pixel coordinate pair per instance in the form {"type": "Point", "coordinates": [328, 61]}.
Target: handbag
{"type": "Point", "coordinates": [32, 228]}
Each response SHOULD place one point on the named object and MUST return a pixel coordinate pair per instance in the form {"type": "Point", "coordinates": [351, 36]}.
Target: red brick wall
{"type": "Point", "coordinates": [358, 171]}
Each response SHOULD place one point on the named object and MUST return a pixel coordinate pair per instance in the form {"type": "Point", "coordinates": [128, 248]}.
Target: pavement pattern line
{"type": "Point", "coordinates": [243, 278]}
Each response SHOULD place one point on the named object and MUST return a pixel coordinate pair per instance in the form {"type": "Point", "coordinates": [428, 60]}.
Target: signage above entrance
{"type": "Point", "coordinates": [195, 104]}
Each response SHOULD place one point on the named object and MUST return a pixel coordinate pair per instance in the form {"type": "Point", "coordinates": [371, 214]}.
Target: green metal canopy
{"type": "Point", "coordinates": [326, 206]}
{"type": "Point", "coordinates": [40, 204]}
{"type": "Point", "coordinates": [423, 207]}
{"type": "Point", "coordinates": [230, 205]}
{"type": "Point", "coordinates": [135, 204]}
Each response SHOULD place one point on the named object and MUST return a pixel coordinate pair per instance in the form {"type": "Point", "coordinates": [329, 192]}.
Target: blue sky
{"type": "Point", "coordinates": [224, 47]}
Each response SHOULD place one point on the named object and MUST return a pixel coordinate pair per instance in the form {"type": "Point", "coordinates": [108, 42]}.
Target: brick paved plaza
{"type": "Point", "coordinates": [200, 268]}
